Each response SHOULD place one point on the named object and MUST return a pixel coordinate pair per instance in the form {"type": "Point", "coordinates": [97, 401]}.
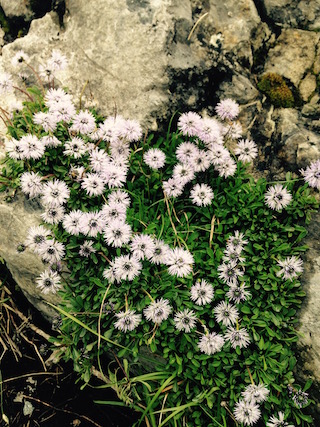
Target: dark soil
{"type": "Point", "coordinates": [55, 394]}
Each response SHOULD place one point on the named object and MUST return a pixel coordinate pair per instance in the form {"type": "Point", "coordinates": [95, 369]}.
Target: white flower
{"type": "Point", "coordinates": [93, 184]}
{"type": "Point", "coordinates": [246, 412]}
{"type": "Point", "coordinates": [19, 58]}
{"type": "Point", "coordinates": [185, 151]}
{"type": "Point", "coordinates": [92, 223]}
{"type": "Point", "coordinates": [114, 175]}
{"type": "Point", "coordinates": [277, 197]}
{"type": "Point", "coordinates": [226, 313]}
{"type": "Point", "coordinates": [127, 320]}
{"type": "Point", "coordinates": [50, 141]}
{"type": "Point", "coordinates": [158, 311]}
{"type": "Point", "coordinates": [229, 273]}
{"type": "Point", "coordinates": [36, 236]}
{"type": "Point", "coordinates": [160, 253]}
{"type": "Point", "coordinates": [237, 240]}
{"type": "Point", "coordinates": [312, 174]}
{"type": "Point", "coordinates": [117, 233]}
{"type": "Point", "coordinates": [202, 293]}
{"type": "Point", "coordinates": [291, 267]}
{"type": "Point", "coordinates": [246, 150]}
{"type": "Point", "coordinates": [232, 254]}
{"type": "Point", "coordinates": [119, 197]}
{"type": "Point", "coordinates": [200, 161]}
{"type": "Point", "coordinates": [72, 222]}
{"type": "Point", "coordinates": [211, 131]}
{"type": "Point", "coordinates": [33, 148]}
{"type": "Point", "coordinates": [114, 210]}
{"type": "Point", "coordinates": [185, 320]}
{"type": "Point", "coordinates": [278, 422]}
{"type": "Point", "coordinates": [173, 187]}
{"type": "Point", "coordinates": [55, 193]}
{"type": "Point", "coordinates": [83, 122]}
{"type": "Point", "coordinates": [31, 184]}
{"type": "Point", "coordinates": [218, 154]}
{"type": "Point", "coordinates": [237, 337]}
{"type": "Point", "coordinates": [53, 214]}
{"type": "Point", "coordinates": [190, 123]}
{"type": "Point", "coordinates": [154, 158]}
{"type": "Point", "coordinates": [129, 130]}
{"type": "Point", "coordinates": [75, 148]}
{"type": "Point", "coordinates": [54, 97]}
{"type": "Point", "coordinates": [201, 195]}
{"type": "Point", "coordinates": [47, 120]}
{"type": "Point", "coordinates": [180, 262]}
{"type": "Point", "coordinates": [255, 393]}
{"type": "Point", "coordinates": [51, 251]}
{"type": "Point", "coordinates": [86, 249]}
{"type": "Point", "coordinates": [6, 84]}
{"type": "Point", "coordinates": [238, 293]}
{"type": "Point", "coordinates": [183, 173]}
{"type": "Point", "coordinates": [226, 168]}
{"type": "Point", "coordinates": [211, 343]}
{"type": "Point", "coordinates": [57, 61]}
{"type": "Point", "coordinates": [142, 246]}
{"type": "Point", "coordinates": [126, 267]}
{"type": "Point", "coordinates": [227, 109]}
{"type": "Point", "coordinates": [49, 281]}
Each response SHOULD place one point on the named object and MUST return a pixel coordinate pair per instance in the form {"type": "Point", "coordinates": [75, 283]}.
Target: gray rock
{"type": "Point", "coordinates": [13, 8]}
{"type": "Point", "coordinates": [293, 55]}
{"type": "Point", "coordinates": [240, 89]}
{"type": "Point", "coordinates": [308, 86]}
{"type": "Point", "coordinates": [15, 220]}
{"type": "Point", "coordinates": [294, 13]}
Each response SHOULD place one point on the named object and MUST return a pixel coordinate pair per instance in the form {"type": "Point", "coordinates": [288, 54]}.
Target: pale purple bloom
{"type": "Point", "coordinates": [312, 174]}
{"type": "Point", "coordinates": [92, 223]}
{"type": "Point", "coordinates": [19, 58]}
{"type": "Point", "coordinates": [114, 210]}
{"type": "Point", "coordinates": [54, 97]}
{"type": "Point", "coordinates": [226, 313]}
{"type": "Point", "coordinates": [127, 320]}
{"type": "Point", "coordinates": [114, 175]}
{"type": "Point", "coordinates": [229, 272]}
{"type": "Point", "coordinates": [15, 148]}
{"type": "Point", "coordinates": [51, 251]}
{"type": "Point", "coordinates": [49, 282]}
{"type": "Point", "coordinates": [247, 413]}
{"type": "Point", "coordinates": [86, 249]}
{"type": "Point", "coordinates": [126, 267]}
{"type": "Point", "coordinates": [278, 422]}
{"type": "Point", "coordinates": [185, 151]}
{"type": "Point", "coordinates": [183, 173]}
{"type": "Point", "coordinates": [142, 246]}
{"type": "Point", "coordinates": [6, 83]}
{"type": "Point", "coordinates": [237, 337]}
{"type": "Point", "coordinates": [93, 184]}
{"type": "Point", "coordinates": [36, 236]}
{"type": "Point", "coordinates": [33, 148]}
{"type": "Point", "coordinates": [53, 214]}
{"type": "Point", "coordinates": [211, 343]}
{"type": "Point", "coordinates": [173, 187]}
{"type": "Point", "coordinates": [300, 398]}
{"type": "Point", "coordinates": [117, 233]}
{"type": "Point", "coordinates": [180, 262]}
{"type": "Point", "coordinates": [238, 293]}
{"type": "Point", "coordinates": [72, 222]}
{"type": "Point", "coordinates": [98, 159]}
{"type": "Point", "coordinates": [160, 253]}
{"type": "Point", "coordinates": [211, 131]}
{"type": "Point", "coordinates": [227, 109]}
{"type": "Point", "coordinates": [246, 150]}
{"type": "Point", "coordinates": [158, 311]}
{"type": "Point", "coordinates": [201, 195]}
{"type": "Point", "coordinates": [64, 111]}
{"type": "Point", "coordinates": [185, 320]}
{"type": "Point", "coordinates": [202, 292]}
{"type": "Point", "coordinates": [154, 158]}
{"type": "Point", "coordinates": [277, 197]}
{"type": "Point", "coordinates": [218, 154]}
{"type": "Point", "coordinates": [50, 141]}
{"type": "Point", "coordinates": [31, 184]}
{"type": "Point", "coordinates": [129, 130]}
{"type": "Point", "coordinates": [47, 120]}
{"type": "Point", "coordinates": [255, 393]}
{"type": "Point", "coordinates": [119, 197]}
{"type": "Point", "coordinates": [226, 168]}
{"type": "Point", "coordinates": [291, 267]}
{"type": "Point", "coordinates": [190, 123]}
{"type": "Point", "coordinates": [120, 149]}
{"type": "Point", "coordinates": [57, 61]}
{"type": "Point", "coordinates": [83, 122]}
{"type": "Point", "coordinates": [75, 148]}
{"type": "Point", "coordinates": [237, 240]}
{"type": "Point", "coordinates": [200, 161]}
{"type": "Point", "coordinates": [55, 193]}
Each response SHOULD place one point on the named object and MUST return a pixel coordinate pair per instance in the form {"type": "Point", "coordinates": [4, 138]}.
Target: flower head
{"type": "Point", "coordinates": [246, 412]}
{"type": "Point", "coordinates": [277, 197]}
{"type": "Point", "coordinates": [49, 281]}
{"type": "Point", "coordinates": [31, 184]}
{"type": "Point", "coordinates": [127, 320]}
{"type": "Point", "coordinates": [202, 292]}
{"type": "Point", "coordinates": [246, 150]}
{"type": "Point", "coordinates": [180, 262]}
{"type": "Point", "coordinates": [201, 195]}
{"type": "Point", "coordinates": [154, 158]}
{"type": "Point", "coordinates": [291, 267]}
{"type": "Point", "coordinates": [142, 246]}
{"type": "Point", "coordinates": [237, 337]}
{"type": "Point", "coordinates": [278, 422]}
{"type": "Point", "coordinates": [185, 320]}
{"type": "Point", "coordinates": [255, 393]}
{"type": "Point", "coordinates": [227, 109]}
{"type": "Point", "coordinates": [86, 249]}
{"type": "Point", "coordinates": [312, 174]}
{"type": "Point", "coordinates": [211, 343]}
{"type": "Point", "coordinates": [190, 123]}
{"type": "Point", "coordinates": [226, 313]}
{"type": "Point", "coordinates": [55, 193]}
{"type": "Point", "coordinates": [158, 311]}
{"type": "Point", "coordinates": [117, 233]}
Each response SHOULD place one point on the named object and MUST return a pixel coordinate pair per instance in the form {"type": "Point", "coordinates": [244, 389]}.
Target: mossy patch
{"type": "Point", "coordinates": [276, 89]}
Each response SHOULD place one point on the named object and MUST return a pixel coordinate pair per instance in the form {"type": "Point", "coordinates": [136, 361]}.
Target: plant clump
{"type": "Point", "coordinates": [276, 89]}
{"type": "Point", "coordinates": [178, 271]}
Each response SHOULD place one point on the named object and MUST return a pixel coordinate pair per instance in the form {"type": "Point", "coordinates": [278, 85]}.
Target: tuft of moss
{"type": "Point", "coordinates": [276, 89]}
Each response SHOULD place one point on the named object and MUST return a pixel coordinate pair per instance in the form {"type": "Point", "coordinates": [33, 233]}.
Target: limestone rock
{"type": "Point", "coordinates": [234, 21]}
{"type": "Point", "coordinates": [293, 55]}
{"type": "Point", "coordinates": [294, 13]}
{"type": "Point", "coordinates": [240, 89]}
{"type": "Point", "coordinates": [13, 8]}
{"type": "Point", "coordinates": [15, 220]}
{"type": "Point", "coordinates": [308, 86]}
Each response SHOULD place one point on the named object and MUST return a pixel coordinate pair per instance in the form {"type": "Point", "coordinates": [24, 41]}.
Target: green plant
{"type": "Point", "coordinates": [276, 89]}
{"type": "Point", "coordinates": [174, 349]}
